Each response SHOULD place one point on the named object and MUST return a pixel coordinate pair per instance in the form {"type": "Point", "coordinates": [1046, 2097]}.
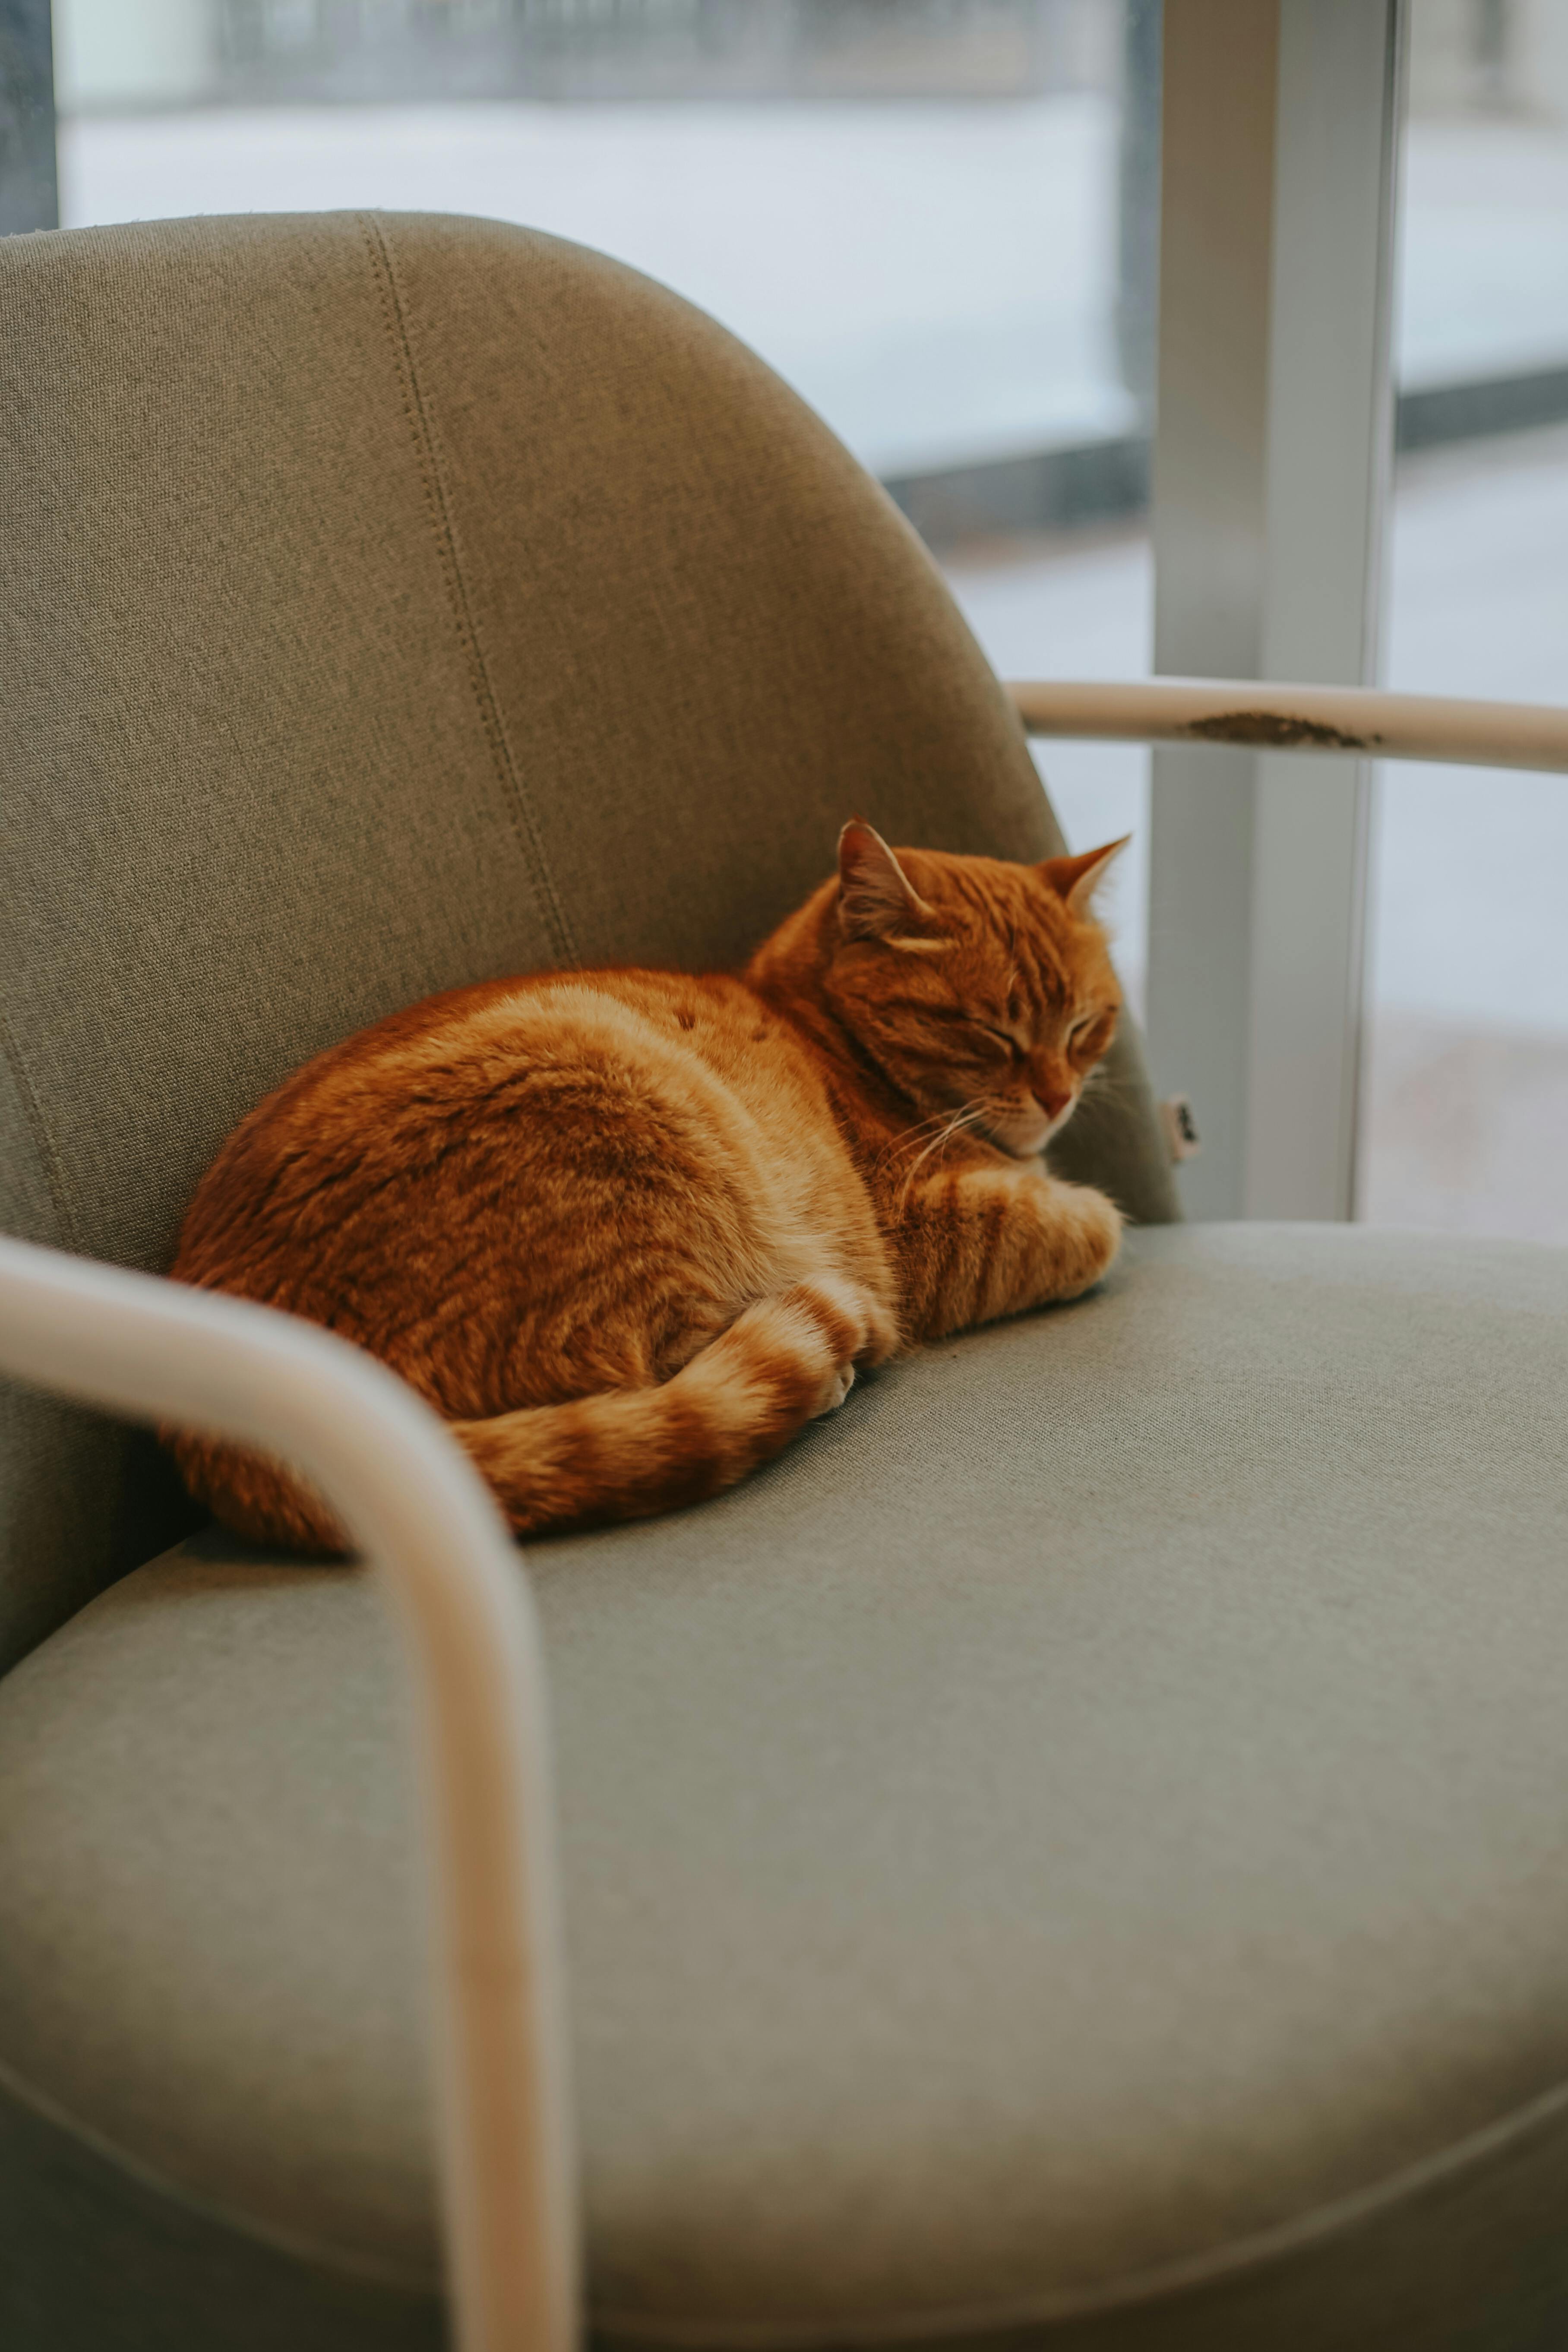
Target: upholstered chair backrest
{"type": "Point", "coordinates": [385, 603]}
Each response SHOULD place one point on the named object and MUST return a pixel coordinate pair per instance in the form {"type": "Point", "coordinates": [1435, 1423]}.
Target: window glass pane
{"type": "Point", "coordinates": [935, 218]}
{"type": "Point", "coordinates": [1079, 604]}
{"type": "Point", "coordinates": [1466, 1096]}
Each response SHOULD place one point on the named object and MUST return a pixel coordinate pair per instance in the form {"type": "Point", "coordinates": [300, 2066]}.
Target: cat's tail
{"type": "Point", "coordinates": [628, 1453]}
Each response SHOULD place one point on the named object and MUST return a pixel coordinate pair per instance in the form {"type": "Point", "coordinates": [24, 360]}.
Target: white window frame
{"type": "Point", "coordinates": [1280, 131]}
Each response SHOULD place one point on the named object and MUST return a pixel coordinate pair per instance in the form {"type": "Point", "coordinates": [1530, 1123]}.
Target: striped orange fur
{"type": "Point", "coordinates": [629, 1231]}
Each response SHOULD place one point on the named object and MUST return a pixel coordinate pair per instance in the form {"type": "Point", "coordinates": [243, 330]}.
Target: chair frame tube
{"type": "Point", "coordinates": [154, 1350]}
{"type": "Point", "coordinates": [1355, 720]}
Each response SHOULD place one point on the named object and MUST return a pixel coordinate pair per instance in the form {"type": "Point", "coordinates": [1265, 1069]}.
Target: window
{"type": "Point", "coordinates": [939, 219]}
{"type": "Point", "coordinates": [1466, 1099]}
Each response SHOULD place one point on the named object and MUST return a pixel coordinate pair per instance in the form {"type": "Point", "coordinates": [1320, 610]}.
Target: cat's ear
{"type": "Point", "coordinates": [876, 896]}
{"type": "Point", "coordinates": [1075, 880]}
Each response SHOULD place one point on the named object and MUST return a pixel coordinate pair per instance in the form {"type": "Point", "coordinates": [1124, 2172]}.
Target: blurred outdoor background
{"type": "Point", "coordinates": [938, 219]}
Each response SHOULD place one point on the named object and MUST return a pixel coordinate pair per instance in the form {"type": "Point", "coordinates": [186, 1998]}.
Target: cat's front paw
{"type": "Point", "coordinates": [1090, 1236]}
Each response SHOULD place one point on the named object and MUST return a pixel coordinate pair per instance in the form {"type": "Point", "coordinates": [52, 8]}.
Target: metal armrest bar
{"type": "Point", "coordinates": [1298, 718]}
{"type": "Point", "coordinates": [154, 1349]}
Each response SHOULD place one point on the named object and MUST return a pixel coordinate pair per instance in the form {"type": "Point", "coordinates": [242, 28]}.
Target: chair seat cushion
{"type": "Point", "coordinates": [1075, 1851]}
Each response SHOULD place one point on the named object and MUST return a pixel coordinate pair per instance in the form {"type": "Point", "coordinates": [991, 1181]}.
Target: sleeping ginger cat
{"type": "Point", "coordinates": [629, 1231]}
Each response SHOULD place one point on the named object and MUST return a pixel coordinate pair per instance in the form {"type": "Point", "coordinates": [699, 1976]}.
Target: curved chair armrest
{"type": "Point", "coordinates": [156, 1349]}
{"type": "Point", "coordinates": [1298, 718]}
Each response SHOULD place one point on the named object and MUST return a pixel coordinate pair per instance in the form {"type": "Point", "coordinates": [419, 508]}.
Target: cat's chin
{"type": "Point", "coordinates": [1019, 1145]}
{"type": "Point", "coordinates": [1015, 1148]}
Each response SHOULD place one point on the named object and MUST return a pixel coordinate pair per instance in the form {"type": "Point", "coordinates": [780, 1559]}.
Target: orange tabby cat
{"type": "Point", "coordinates": [629, 1231]}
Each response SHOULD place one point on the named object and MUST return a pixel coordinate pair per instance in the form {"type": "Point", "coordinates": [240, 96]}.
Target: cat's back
{"type": "Point", "coordinates": [603, 1072]}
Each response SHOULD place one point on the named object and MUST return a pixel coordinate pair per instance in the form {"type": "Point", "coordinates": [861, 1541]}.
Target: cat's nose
{"type": "Point", "coordinates": [1053, 1101]}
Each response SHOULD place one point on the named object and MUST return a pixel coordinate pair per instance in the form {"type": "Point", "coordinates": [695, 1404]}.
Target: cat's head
{"type": "Point", "coordinates": [978, 987]}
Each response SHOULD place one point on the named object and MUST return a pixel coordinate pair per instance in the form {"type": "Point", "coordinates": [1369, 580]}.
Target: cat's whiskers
{"type": "Point", "coordinates": [1103, 1090]}
{"type": "Point", "coordinates": [955, 1124]}
{"type": "Point", "coordinates": [908, 1136]}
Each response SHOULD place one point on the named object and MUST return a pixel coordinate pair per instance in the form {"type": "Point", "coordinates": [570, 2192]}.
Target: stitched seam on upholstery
{"type": "Point", "coordinates": [421, 428]}
{"type": "Point", "coordinates": [1218, 2265]}
{"type": "Point", "coordinates": [33, 1110]}
{"type": "Point", "coordinates": [205, 2209]}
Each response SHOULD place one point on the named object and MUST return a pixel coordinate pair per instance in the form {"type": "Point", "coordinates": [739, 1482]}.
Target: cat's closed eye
{"type": "Point", "coordinates": [1009, 1045]}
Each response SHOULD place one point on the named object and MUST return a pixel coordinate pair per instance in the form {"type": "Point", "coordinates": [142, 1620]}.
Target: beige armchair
{"type": "Point", "coordinates": [1070, 1855]}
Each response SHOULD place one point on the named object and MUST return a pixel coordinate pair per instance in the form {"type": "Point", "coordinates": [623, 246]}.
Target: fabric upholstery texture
{"type": "Point", "coordinates": [387, 602]}
{"type": "Point", "coordinates": [1072, 1854]}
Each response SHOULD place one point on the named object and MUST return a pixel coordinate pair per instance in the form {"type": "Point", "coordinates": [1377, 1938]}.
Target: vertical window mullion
{"type": "Point", "coordinates": [1275, 427]}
